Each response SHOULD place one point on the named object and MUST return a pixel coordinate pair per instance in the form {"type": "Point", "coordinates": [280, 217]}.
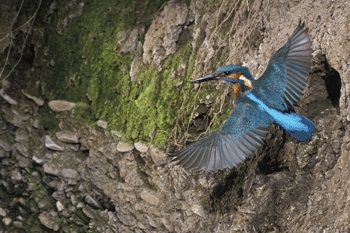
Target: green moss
{"type": "Point", "coordinates": [83, 42]}
{"type": "Point", "coordinates": [48, 118]}
{"type": "Point", "coordinates": [146, 109]}
{"type": "Point", "coordinates": [84, 113]}
{"type": "Point", "coordinates": [86, 68]}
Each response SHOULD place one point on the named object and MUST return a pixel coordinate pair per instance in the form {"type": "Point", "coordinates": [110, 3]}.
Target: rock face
{"type": "Point", "coordinates": [164, 32]}
{"type": "Point", "coordinates": [77, 176]}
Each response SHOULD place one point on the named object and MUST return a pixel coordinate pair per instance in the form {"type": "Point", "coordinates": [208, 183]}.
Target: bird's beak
{"type": "Point", "coordinates": [233, 78]}
{"type": "Point", "coordinates": [205, 78]}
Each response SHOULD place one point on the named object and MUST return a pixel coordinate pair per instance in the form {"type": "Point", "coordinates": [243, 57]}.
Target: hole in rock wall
{"type": "Point", "coordinates": [333, 84]}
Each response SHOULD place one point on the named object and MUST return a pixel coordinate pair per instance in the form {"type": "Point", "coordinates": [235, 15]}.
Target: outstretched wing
{"type": "Point", "coordinates": [240, 136]}
{"type": "Point", "coordinates": [284, 80]}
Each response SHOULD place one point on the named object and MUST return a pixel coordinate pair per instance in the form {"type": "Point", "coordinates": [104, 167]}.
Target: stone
{"type": "Point", "coordinates": [74, 199]}
{"type": "Point", "coordinates": [51, 169]}
{"type": "Point", "coordinates": [50, 220]}
{"type": "Point", "coordinates": [5, 84]}
{"type": "Point", "coordinates": [36, 123]}
{"type": "Point", "coordinates": [7, 98]}
{"type": "Point", "coordinates": [198, 209]}
{"type": "Point", "coordinates": [116, 133]}
{"type": "Point", "coordinates": [59, 206]}
{"type": "Point", "coordinates": [80, 205]}
{"type": "Point", "coordinates": [68, 136]}
{"type": "Point", "coordinates": [21, 135]}
{"type": "Point", "coordinates": [89, 200]}
{"type": "Point", "coordinates": [167, 224]}
{"type": "Point", "coordinates": [135, 69]}
{"type": "Point", "coordinates": [69, 173]}
{"type": "Point", "coordinates": [61, 105]}
{"type": "Point", "coordinates": [22, 161]}
{"type": "Point", "coordinates": [7, 221]}
{"type": "Point", "coordinates": [151, 222]}
{"type": "Point", "coordinates": [50, 144]}
{"type": "Point", "coordinates": [74, 147]}
{"type": "Point", "coordinates": [40, 102]}
{"type": "Point", "coordinates": [141, 226]}
{"type": "Point", "coordinates": [149, 197]}
{"type": "Point", "coordinates": [2, 212]}
{"type": "Point", "coordinates": [18, 224]}
{"type": "Point", "coordinates": [15, 116]}
{"type": "Point", "coordinates": [22, 149]}
{"type": "Point", "coordinates": [89, 212]}
{"type": "Point", "coordinates": [102, 124]}
{"type": "Point", "coordinates": [59, 195]}
{"type": "Point", "coordinates": [124, 147]}
{"type": "Point", "coordinates": [37, 160]}
{"type": "Point", "coordinates": [16, 176]}
{"type": "Point", "coordinates": [5, 144]}
{"type": "Point", "coordinates": [141, 147]}
{"type": "Point", "coordinates": [158, 156]}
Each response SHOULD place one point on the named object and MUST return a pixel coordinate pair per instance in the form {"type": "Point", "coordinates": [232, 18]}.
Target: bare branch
{"type": "Point", "coordinates": [30, 22]}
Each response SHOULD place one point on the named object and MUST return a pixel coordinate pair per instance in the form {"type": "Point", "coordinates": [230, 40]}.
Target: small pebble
{"type": "Point", "coordinates": [59, 206]}
{"type": "Point", "coordinates": [7, 221]}
{"type": "Point", "coordinates": [102, 124]}
{"type": "Point", "coordinates": [124, 147]}
{"type": "Point", "coordinates": [61, 105]}
{"type": "Point", "coordinates": [141, 147]}
{"type": "Point", "coordinates": [50, 144]}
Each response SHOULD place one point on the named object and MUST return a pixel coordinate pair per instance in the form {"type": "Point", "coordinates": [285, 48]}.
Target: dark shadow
{"type": "Point", "coordinates": [333, 84]}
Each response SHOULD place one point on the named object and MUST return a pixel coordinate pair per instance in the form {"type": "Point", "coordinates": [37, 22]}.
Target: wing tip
{"type": "Point", "coordinates": [301, 26]}
{"type": "Point", "coordinates": [226, 153]}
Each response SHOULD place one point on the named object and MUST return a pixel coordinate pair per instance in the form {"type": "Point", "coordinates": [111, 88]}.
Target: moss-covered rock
{"type": "Point", "coordinates": [83, 62]}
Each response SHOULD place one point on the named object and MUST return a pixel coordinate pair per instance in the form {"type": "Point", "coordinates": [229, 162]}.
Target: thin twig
{"type": "Point", "coordinates": [32, 19]}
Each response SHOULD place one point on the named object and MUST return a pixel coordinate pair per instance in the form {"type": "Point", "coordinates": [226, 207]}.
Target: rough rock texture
{"type": "Point", "coordinates": [164, 32]}
{"type": "Point", "coordinates": [60, 175]}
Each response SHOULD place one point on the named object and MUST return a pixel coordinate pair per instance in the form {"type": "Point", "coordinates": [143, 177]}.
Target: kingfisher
{"type": "Point", "coordinates": [259, 103]}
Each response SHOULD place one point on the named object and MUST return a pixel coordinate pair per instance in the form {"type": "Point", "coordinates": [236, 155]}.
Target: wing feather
{"type": "Point", "coordinates": [290, 65]}
{"type": "Point", "coordinates": [238, 138]}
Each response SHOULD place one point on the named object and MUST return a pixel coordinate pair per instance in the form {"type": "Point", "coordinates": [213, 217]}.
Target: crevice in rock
{"type": "Point", "coordinates": [269, 163]}
{"type": "Point", "coordinates": [226, 195]}
{"type": "Point", "coordinates": [330, 76]}
{"type": "Point", "coordinates": [333, 84]}
{"type": "Point", "coordinates": [29, 54]}
{"type": "Point", "coordinates": [221, 188]}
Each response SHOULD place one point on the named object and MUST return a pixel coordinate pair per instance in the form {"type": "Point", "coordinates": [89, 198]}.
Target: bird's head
{"type": "Point", "coordinates": [229, 73]}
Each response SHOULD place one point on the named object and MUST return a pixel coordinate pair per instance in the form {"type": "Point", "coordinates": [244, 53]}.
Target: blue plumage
{"type": "Point", "coordinates": [269, 99]}
{"type": "Point", "coordinates": [295, 124]}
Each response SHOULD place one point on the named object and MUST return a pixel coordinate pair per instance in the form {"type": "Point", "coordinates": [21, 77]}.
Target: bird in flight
{"type": "Point", "coordinates": [259, 103]}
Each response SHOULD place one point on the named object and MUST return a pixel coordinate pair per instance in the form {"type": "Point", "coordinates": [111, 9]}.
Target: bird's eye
{"type": "Point", "coordinates": [227, 72]}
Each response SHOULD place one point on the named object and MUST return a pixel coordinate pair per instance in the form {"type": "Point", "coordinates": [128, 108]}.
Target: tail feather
{"type": "Point", "coordinates": [297, 125]}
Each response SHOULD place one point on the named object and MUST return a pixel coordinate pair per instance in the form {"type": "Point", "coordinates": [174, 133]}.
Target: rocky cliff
{"type": "Point", "coordinates": [95, 93]}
